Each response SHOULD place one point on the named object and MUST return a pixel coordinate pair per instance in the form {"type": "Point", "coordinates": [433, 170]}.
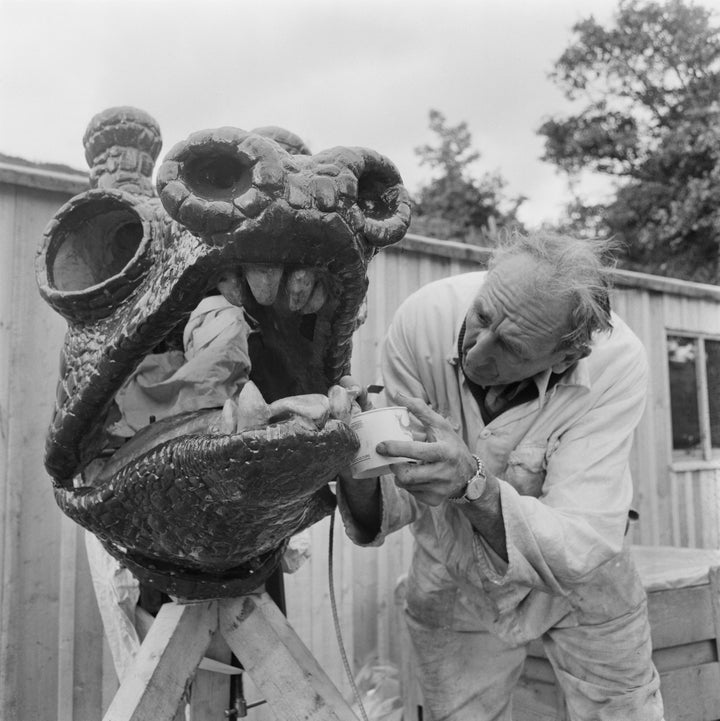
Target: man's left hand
{"type": "Point", "coordinates": [445, 463]}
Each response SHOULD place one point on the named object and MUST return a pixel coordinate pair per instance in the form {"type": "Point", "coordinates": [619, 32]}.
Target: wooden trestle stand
{"type": "Point", "coordinates": [276, 660]}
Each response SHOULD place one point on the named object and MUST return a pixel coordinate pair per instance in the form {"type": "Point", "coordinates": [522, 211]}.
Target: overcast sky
{"type": "Point", "coordinates": [337, 72]}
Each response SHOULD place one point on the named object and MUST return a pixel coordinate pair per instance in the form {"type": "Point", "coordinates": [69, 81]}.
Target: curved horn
{"type": "Point", "coordinates": [383, 199]}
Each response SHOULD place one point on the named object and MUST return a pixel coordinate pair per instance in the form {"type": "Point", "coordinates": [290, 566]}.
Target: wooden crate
{"type": "Point", "coordinates": [683, 587]}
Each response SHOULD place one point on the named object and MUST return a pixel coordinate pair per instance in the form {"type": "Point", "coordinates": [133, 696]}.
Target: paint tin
{"type": "Point", "coordinates": [372, 427]}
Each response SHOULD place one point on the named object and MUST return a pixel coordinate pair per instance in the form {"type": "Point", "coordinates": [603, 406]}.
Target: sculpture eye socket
{"type": "Point", "coordinates": [93, 255]}
{"type": "Point", "coordinates": [94, 247]}
{"type": "Point", "coordinates": [218, 176]}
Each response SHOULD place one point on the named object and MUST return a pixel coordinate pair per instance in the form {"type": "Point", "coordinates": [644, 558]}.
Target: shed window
{"type": "Point", "coordinates": [694, 372]}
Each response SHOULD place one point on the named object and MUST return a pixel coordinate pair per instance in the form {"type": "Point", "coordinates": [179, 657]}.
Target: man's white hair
{"type": "Point", "coordinates": [578, 269]}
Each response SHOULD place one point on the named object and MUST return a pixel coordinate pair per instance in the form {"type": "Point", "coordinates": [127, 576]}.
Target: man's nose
{"type": "Point", "coordinates": [484, 346]}
{"type": "Point", "coordinates": [482, 352]}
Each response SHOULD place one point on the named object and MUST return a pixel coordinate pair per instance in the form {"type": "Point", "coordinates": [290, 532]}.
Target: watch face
{"type": "Point", "coordinates": [475, 488]}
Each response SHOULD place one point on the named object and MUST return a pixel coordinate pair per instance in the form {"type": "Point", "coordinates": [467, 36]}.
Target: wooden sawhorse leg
{"type": "Point", "coordinates": [277, 661]}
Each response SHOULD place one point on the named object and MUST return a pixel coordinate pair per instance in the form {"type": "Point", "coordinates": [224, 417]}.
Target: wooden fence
{"type": "Point", "coordinates": [53, 662]}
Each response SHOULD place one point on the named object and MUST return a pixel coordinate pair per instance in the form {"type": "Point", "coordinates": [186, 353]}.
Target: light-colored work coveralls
{"type": "Point", "coordinates": [565, 491]}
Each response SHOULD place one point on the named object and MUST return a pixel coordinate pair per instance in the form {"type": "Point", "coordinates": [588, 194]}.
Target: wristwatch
{"type": "Point", "coordinates": [474, 487]}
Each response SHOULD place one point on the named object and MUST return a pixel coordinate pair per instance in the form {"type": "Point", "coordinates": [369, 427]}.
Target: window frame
{"type": "Point", "coordinates": [706, 453]}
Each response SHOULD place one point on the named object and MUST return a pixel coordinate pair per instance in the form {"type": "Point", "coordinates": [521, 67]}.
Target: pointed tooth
{"type": "Point", "coordinates": [264, 281]}
{"type": "Point", "coordinates": [316, 300]}
{"type": "Point", "coordinates": [231, 287]}
{"type": "Point", "coordinates": [228, 419]}
{"type": "Point", "coordinates": [340, 403]}
{"type": "Point", "coordinates": [253, 411]}
{"type": "Point", "coordinates": [313, 406]}
{"type": "Point", "coordinates": [299, 286]}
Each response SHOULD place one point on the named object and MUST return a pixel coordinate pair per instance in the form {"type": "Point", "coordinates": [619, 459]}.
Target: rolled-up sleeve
{"type": "Point", "coordinates": [399, 509]}
{"type": "Point", "coordinates": [400, 375]}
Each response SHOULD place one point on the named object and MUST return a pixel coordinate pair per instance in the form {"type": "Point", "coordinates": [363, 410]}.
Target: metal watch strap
{"type": "Point", "coordinates": [479, 474]}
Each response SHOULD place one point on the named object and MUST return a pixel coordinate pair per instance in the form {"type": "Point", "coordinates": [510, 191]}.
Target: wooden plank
{"type": "Point", "coordinates": [636, 307]}
{"type": "Point", "coordinates": [345, 579]}
{"type": "Point", "coordinates": [35, 329]}
{"type": "Point", "coordinates": [298, 588]}
{"type": "Point", "coordinates": [685, 656]}
{"type": "Point", "coordinates": [167, 659]}
{"type": "Point", "coordinates": [477, 255]}
{"type": "Point", "coordinates": [69, 182]}
{"type": "Point", "coordinates": [714, 582]}
{"type": "Point", "coordinates": [108, 683]}
{"type": "Point", "coordinates": [680, 616]}
{"type": "Point", "coordinates": [66, 620]}
{"type": "Point", "coordinates": [366, 565]}
{"type": "Point", "coordinates": [295, 686]}
{"type": "Point", "coordinates": [324, 641]}
{"type": "Point", "coordinates": [660, 420]}
{"type": "Point", "coordinates": [210, 692]}
{"type": "Point", "coordinates": [89, 660]}
{"type": "Point", "coordinates": [10, 488]}
{"type": "Point", "coordinates": [692, 694]}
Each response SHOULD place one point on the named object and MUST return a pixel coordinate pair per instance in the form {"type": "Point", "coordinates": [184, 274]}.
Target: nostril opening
{"type": "Point", "coordinates": [218, 176]}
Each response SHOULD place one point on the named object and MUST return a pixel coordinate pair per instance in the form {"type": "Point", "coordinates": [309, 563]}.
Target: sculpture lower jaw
{"type": "Point", "coordinates": [197, 585]}
{"type": "Point", "coordinates": [201, 517]}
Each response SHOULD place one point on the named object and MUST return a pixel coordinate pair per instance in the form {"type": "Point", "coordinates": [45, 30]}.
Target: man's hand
{"type": "Point", "coordinates": [445, 463]}
{"type": "Point", "coordinates": [363, 496]}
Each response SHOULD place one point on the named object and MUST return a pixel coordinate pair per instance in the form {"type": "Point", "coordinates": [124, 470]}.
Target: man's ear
{"type": "Point", "coordinates": [570, 357]}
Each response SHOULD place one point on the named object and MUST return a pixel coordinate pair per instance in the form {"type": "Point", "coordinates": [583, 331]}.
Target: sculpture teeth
{"type": "Point", "coordinates": [245, 412]}
{"type": "Point", "coordinates": [316, 300]}
{"type": "Point", "coordinates": [249, 411]}
{"type": "Point", "coordinates": [341, 400]}
{"type": "Point", "coordinates": [299, 286]}
{"type": "Point", "coordinates": [231, 287]}
{"type": "Point", "coordinates": [264, 282]}
{"type": "Point", "coordinates": [228, 418]}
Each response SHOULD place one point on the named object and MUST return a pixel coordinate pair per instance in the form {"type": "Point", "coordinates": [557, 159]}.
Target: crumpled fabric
{"type": "Point", "coordinates": [213, 367]}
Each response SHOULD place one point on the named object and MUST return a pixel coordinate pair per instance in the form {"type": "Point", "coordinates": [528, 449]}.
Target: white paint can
{"type": "Point", "coordinates": [373, 427]}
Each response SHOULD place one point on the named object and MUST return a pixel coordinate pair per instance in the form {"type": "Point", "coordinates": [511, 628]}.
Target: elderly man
{"type": "Point", "coordinates": [527, 390]}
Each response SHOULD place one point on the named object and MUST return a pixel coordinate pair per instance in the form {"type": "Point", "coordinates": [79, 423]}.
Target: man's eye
{"type": "Point", "coordinates": [514, 350]}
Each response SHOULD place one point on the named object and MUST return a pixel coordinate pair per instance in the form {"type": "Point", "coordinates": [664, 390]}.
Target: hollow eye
{"type": "Point", "coordinates": [93, 254]}
{"type": "Point", "coordinates": [93, 249]}
{"type": "Point", "coordinates": [218, 176]}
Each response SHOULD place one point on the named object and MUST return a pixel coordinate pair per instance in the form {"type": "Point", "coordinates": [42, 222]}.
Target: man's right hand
{"type": "Point", "coordinates": [362, 496]}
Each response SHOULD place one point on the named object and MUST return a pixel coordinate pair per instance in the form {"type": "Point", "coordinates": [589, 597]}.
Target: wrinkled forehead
{"type": "Point", "coordinates": [521, 289]}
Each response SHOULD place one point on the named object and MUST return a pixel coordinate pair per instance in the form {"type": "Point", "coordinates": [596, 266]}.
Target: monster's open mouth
{"type": "Point", "coordinates": [214, 449]}
{"type": "Point", "coordinates": [195, 457]}
{"type": "Point", "coordinates": [201, 380]}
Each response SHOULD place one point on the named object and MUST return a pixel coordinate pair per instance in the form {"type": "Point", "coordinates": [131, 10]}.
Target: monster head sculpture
{"type": "Point", "coordinates": [201, 504]}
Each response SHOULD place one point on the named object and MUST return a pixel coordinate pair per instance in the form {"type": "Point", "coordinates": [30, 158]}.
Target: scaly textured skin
{"type": "Point", "coordinates": [207, 514]}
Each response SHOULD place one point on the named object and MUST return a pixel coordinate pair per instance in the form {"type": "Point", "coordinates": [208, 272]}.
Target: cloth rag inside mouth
{"type": "Point", "coordinates": [213, 367]}
{"type": "Point", "coordinates": [204, 389]}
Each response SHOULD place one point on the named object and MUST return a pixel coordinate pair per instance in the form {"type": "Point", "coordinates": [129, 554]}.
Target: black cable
{"type": "Point", "coordinates": [336, 620]}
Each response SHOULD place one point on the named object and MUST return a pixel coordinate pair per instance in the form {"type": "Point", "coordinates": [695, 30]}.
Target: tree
{"type": "Point", "coordinates": [650, 120]}
{"type": "Point", "coordinates": [454, 204]}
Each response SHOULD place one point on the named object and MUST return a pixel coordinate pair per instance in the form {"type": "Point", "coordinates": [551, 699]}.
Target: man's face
{"type": "Point", "coordinates": [510, 333]}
